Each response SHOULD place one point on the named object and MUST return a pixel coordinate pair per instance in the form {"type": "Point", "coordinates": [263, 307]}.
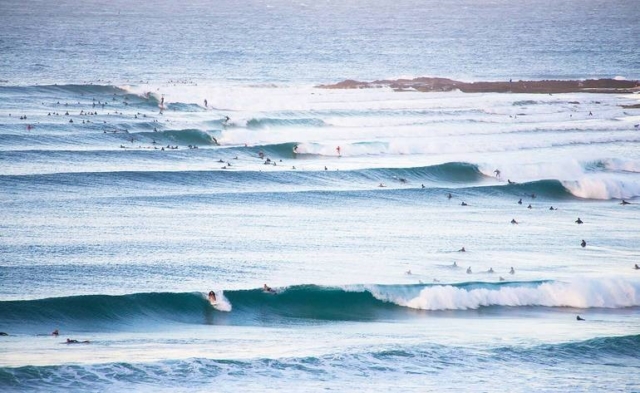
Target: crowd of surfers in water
{"type": "Point", "coordinates": [56, 333]}
{"type": "Point", "coordinates": [266, 161]}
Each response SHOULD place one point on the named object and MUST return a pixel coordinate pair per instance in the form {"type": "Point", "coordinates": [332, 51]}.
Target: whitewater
{"type": "Point", "coordinates": [413, 241]}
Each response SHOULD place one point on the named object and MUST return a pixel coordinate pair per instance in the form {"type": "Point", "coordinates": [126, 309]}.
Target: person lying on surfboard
{"type": "Point", "coordinates": [71, 341]}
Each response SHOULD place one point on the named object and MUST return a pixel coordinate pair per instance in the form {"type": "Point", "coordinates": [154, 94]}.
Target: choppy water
{"type": "Point", "coordinates": [111, 234]}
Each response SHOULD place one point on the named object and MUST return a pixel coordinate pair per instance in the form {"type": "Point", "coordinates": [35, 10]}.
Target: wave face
{"type": "Point", "coordinates": [317, 303]}
{"type": "Point", "coordinates": [179, 137]}
{"type": "Point", "coordinates": [464, 178]}
{"type": "Point", "coordinates": [374, 366]}
{"type": "Point", "coordinates": [601, 348]}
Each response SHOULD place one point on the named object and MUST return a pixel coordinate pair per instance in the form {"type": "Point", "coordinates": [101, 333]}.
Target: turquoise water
{"type": "Point", "coordinates": [115, 226]}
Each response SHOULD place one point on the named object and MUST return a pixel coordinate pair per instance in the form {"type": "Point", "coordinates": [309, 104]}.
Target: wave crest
{"type": "Point", "coordinates": [610, 293]}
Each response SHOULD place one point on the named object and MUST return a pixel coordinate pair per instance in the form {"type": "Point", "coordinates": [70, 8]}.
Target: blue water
{"type": "Point", "coordinates": [124, 199]}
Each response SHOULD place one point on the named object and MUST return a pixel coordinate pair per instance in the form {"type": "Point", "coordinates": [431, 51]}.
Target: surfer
{"type": "Point", "coordinates": [579, 221]}
{"type": "Point", "coordinates": [552, 208]}
{"type": "Point", "coordinates": [579, 318]}
{"type": "Point", "coordinates": [513, 221]}
{"type": "Point", "coordinates": [212, 296]}
{"type": "Point", "coordinates": [381, 185]}
{"type": "Point", "coordinates": [625, 202]}
{"type": "Point", "coordinates": [529, 207]}
{"type": "Point", "coordinates": [583, 243]}
{"type": "Point", "coordinates": [267, 289]}
{"type": "Point", "coordinates": [490, 270]}
{"type": "Point", "coordinates": [455, 264]}
{"type": "Point", "coordinates": [510, 182]}
{"type": "Point", "coordinates": [497, 172]}
{"type": "Point", "coordinates": [520, 201]}
{"type": "Point", "coordinates": [55, 333]}
{"type": "Point", "coordinates": [469, 270]}
{"type": "Point", "coordinates": [512, 271]}
{"type": "Point", "coordinates": [206, 104]}
{"type": "Point", "coordinates": [463, 203]}
{"type": "Point", "coordinates": [338, 150]}
{"type": "Point", "coordinates": [501, 278]}
{"type": "Point", "coordinates": [71, 341]}
{"type": "Point", "coordinates": [636, 267]}
{"type": "Point", "coordinates": [449, 196]}
{"type": "Point", "coordinates": [462, 250]}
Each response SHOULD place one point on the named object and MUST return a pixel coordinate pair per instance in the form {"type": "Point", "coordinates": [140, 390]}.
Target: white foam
{"type": "Point", "coordinates": [600, 187]}
{"type": "Point", "coordinates": [616, 164]}
{"type": "Point", "coordinates": [579, 293]}
{"type": "Point", "coordinates": [221, 303]}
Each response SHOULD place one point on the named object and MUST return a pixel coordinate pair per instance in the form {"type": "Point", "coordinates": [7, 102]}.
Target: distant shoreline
{"type": "Point", "coordinates": [520, 86]}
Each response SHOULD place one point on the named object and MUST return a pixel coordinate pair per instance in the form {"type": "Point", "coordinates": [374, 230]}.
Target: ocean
{"type": "Point", "coordinates": [152, 152]}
